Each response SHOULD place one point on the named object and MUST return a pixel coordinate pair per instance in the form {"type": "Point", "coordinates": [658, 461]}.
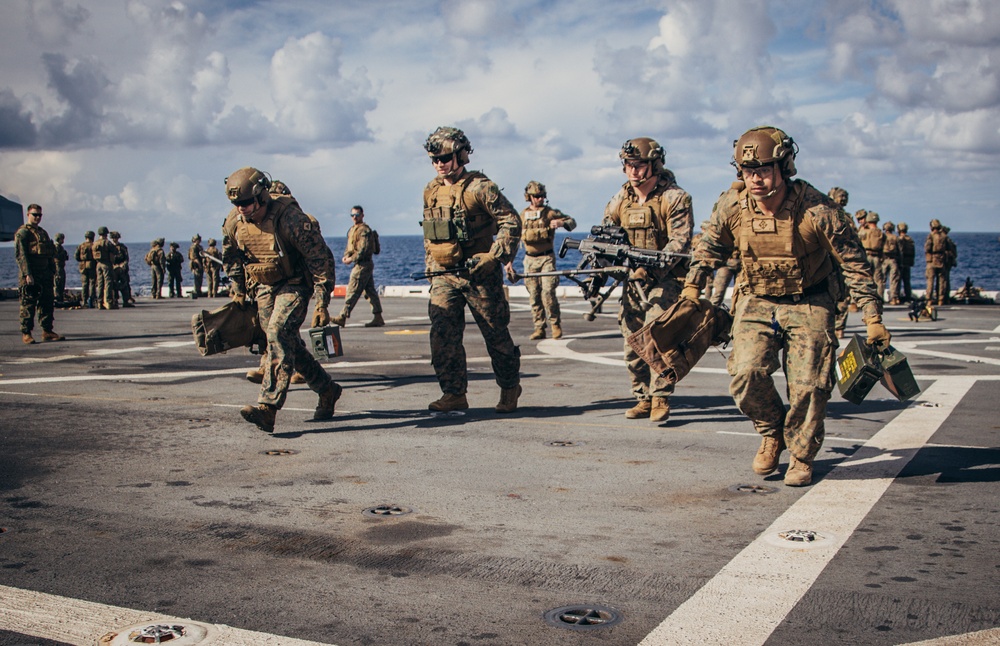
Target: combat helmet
{"type": "Point", "coordinates": [534, 189]}
{"type": "Point", "coordinates": [161, 241]}
{"type": "Point", "coordinates": [861, 215]}
{"type": "Point", "coordinates": [211, 242]}
{"type": "Point", "coordinates": [765, 145]}
{"type": "Point", "coordinates": [903, 227]}
{"type": "Point", "coordinates": [889, 226]}
{"type": "Point", "coordinates": [115, 235]}
{"type": "Point", "coordinates": [447, 140]}
{"type": "Point", "coordinates": [643, 149]}
{"type": "Point", "coordinates": [60, 237]}
{"type": "Point", "coordinates": [872, 217]}
{"type": "Point", "coordinates": [102, 231]}
{"type": "Point", "coordinates": [935, 224]}
{"type": "Point", "coordinates": [838, 195]}
{"type": "Point", "coordinates": [279, 188]}
{"type": "Point", "coordinates": [196, 237]}
{"type": "Point", "coordinates": [88, 235]}
{"type": "Point", "coordinates": [248, 185]}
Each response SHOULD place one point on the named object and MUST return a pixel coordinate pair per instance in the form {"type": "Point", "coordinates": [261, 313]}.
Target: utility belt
{"type": "Point", "coordinates": [822, 287]}
{"type": "Point", "coordinates": [538, 255]}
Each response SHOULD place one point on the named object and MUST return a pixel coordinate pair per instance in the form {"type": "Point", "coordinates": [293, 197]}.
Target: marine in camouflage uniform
{"type": "Point", "coordinates": [873, 241]}
{"type": "Point", "coordinates": [272, 247]}
{"type": "Point", "coordinates": [59, 281]}
{"type": "Point", "coordinates": [463, 211]}
{"type": "Point", "coordinates": [936, 253]}
{"type": "Point", "coordinates": [156, 258]}
{"type": "Point", "coordinates": [84, 255]}
{"type": "Point", "coordinates": [907, 256]}
{"type": "Point", "coordinates": [359, 251]}
{"type": "Point", "coordinates": [35, 254]}
{"type": "Point", "coordinates": [841, 197]}
{"type": "Point", "coordinates": [105, 255]}
{"type": "Point", "coordinates": [174, 261]}
{"type": "Point", "coordinates": [890, 261]}
{"type": "Point", "coordinates": [657, 214]}
{"type": "Point", "coordinates": [538, 226]}
{"type": "Point", "coordinates": [791, 237]}
{"type": "Point", "coordinates": [197, 265]}
{"type": "Point", "coordinates": [122, 280]}
{"type": "Point", "coordinates": [213, 269]}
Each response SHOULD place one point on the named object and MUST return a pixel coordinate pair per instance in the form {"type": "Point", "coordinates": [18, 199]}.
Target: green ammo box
{"type": "Point", "coordinates": [325, 342]}
{"type": "Point", "coordinates": [897, 377]}
{"type": "Point", "coordinates": [858, 370]}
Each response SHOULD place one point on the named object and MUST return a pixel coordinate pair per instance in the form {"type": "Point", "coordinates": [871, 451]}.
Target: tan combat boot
{"type": "Point", "coordinates": [449, 402]}
{"type": "Point", "coordinates": [659, 410]}
{"type": "Point", "coordinates": [327, 401]}
{"type": "Point", "coordinates": [766, 460]}
{"type": "Point", "coordinates": [799, 473]}
{"type": "Point", "coordinates": [27, 338]}
{"type": "Point", "coordinates": [255, 376]}
{"type": "Point", "coordinates": [508, 399]}
{"type": "Point", "coordinates": [539, 333]}
{"type": "Point", "coordinates": [262, 415]}
{"type": "Point", "coordinates": [556, 331]}
{"type": "Point", "coordinates": [377, 321]}
{"type": "Point", "coordinates": [339, 320]}
{"type": "Point", "coordinates": [640, 410]}
{"type": "Point", "coordinates": [49, 335]}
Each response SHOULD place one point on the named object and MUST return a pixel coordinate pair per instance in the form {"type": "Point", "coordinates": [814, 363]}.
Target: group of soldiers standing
{"type": "Point", "coordinates": [203, 262]}
{"type": "Point", "coordinates": [104, 270]}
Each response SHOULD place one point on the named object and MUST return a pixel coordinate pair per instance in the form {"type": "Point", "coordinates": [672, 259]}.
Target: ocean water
{"type": "Point", "coordinates": [978, 259]}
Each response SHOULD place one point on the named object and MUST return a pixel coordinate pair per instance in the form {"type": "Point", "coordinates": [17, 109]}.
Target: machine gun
{"type": "Point", "coordinates": [608, 256]}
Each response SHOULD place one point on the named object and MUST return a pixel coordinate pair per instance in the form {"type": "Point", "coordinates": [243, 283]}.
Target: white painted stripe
{"type": "Point", "coordinates": [74, 621]}
{"type": "Point", "coordinates": [989, 637]}
{"type": "Point", "coordinates": [833, 507]}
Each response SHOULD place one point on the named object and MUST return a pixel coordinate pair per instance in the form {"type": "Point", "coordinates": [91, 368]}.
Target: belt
{"type": "Point", "coordinates": [821, 287]}
{"type": "Point", "coordinates": [536, 255]}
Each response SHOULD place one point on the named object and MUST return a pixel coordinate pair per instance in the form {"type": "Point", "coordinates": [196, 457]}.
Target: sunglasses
{"type": "Point", "coordinates": [242, 203]}
{"type": "Point", "coordinates": [442, 159]}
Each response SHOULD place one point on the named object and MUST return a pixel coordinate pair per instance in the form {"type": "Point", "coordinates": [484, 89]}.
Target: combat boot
{"type": "Point", "coordinates": [508, 399]}
{"type": "Point", "coordinates": [327, 401]}
{"type": "Point", "coordinates": [27, 338]}
{"type": "Point", "coordinates": [377, 321]}
{"type": "Point", "coordinates": [799, 473]}
{"type": "Point", "coordinates": [539, 333]}
{"type": "Point", "coordinates": [766, 460]}
{"type": "Point", "coordinates": [449, 402]}
{"type": "Point", "coordinates": [339, 320]}
{"type": "Point", "coordinates": [640, 410]}
{"type": "Point", "coordinates": [659, 409]}
{"type": "Point", "coordinates": [49, 335]}
{"type": "Point", "coordinates": [262, 415]}
{"type": "Point", "coordinates": [556, 331]}
{"type": "Point", "coordinates": [255, 376]}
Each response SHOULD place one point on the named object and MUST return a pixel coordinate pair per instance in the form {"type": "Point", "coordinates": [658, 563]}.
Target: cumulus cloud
{"type": "Point", "coordinates": [495, 125]}
{"type": "Point", "coordinates": [53, 22]}
{"type": "Point", "coordinates": [556, 147]}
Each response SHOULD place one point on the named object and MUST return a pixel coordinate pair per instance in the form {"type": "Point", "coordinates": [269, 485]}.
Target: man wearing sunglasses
{"type": "Point", "coordinates": [362, 243]}
{"type": "Point", "coordinates": [792, 239]}
{"type": "Point", "coordinates": [470, 231]}
{"type": "Point", "coordinates": [36, 267]}
{"type": "Point", "coordinates": [274, 251]}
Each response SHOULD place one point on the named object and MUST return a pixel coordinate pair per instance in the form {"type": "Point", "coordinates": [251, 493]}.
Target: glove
{"type": "Point", "coordinates": [482, 265]}
{"type": "Point", "coordinates": [240, 299]}
{"type": "Point", "coordinates": [511, 274]}
{"type": "Point", "coordinates": [878, 336]}
{"type": "Point", "coordinates": [691, 293]}
{"type": "Point", "coordinates": [639, 275]}
{"type": "Point", "coordinates": [321, 317]}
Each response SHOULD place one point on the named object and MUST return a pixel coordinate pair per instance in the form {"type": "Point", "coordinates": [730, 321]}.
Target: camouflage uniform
{"type": "Point", "coordinates": [282, 301]}
{"type": "Point", "coordinates": [796, 323]}
{"type": "Point", "coordinates": [122, 280]}
{"type": "Point", "coordinates": [156, 258]}
{"type": "Point", "coordinates": [873, 240]}
{"type": "Point", "coordinates": [197, 265]}
{"type": "Point", "coordinates": [35, 254]}
{"type": "Point", "coordinates": [213, 269]}
{"type": "Point", "coordinates": [174, 261]}
{"type": "Point", "coordinates": [890, 262]}
{"type": "Point", "coordinates": [536, 237]}
{"type": "Point", "coordinates": [59, 281]}
{"type": "Point", "coordinates": [484, 296]}
{"type": "Point", "coordinates": [360, 249]}
{"type": "Point", "coordinates": [723, 276]}
{"type": "Point", "coordinates": [84, 255]}
{"type": "Point", "coordinates": [936, 250]}
{"type": "Point", "coordinates": [674, 224]}
{"type": "Point", "coordinates": [104, 254]}
{"type": "Point", "coordinates": [907, 256]}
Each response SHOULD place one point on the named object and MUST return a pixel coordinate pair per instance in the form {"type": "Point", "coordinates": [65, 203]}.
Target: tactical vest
{"type": "Point", "coordinates": [454, 229]}
{"type": "Point", "coordinates": [536, 234]}
{"type": "Point", "coordinates": [873, 241]}
{"type": "Point", "coordinates": [891, 245]}
{"type": "Point", "coordinates": [781, 255]}
{"type": "Point", "coordinates": [264, 253]}
{"type": "Point", "coordinates": [937, 256]}
{"type": "Point", "coordinates": [354, 242]}
{"type": "Point", "coordinates": [85, 256]}
{"type": "Point", "coordinates": [39, 245]}
{"type": "Point", "coordinates": [104, 252]}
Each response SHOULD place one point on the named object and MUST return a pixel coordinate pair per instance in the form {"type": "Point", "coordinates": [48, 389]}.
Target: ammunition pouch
{"type": "Point", "coordinates": [674, 342]}
{"type": "Point", "coordinates": [438, 229]}
{"type": "Point", "coordinates": [265, 273]}
{"type": "Point", "coordinates": [446, 254]}
{"type": "Point", "coordinates": [535, 235]}
{"type": "Point", "coordinates": [230, 326]}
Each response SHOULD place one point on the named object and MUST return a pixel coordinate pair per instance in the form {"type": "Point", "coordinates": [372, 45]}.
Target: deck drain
{"type": "Point", "coordinates": [562, 443]}
{"type": "Point", "coordinates": [382, 511]}
{"type": "Point", "coordinates": [750, 488]}
{"type": "Point", "coordinates": [800, 539]}
{"type": "Point", "coordinates": [186, 634]}
{"type": "Point", "coordinates": [279, 452]}
{"type": "Point", "coordinates": [582, 617]}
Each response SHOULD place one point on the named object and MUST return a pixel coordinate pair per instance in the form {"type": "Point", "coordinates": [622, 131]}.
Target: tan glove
{"type": "Point", "coordinates": [483, 265]}
{"type": "Point", "coordinates": [639, 275]}
{"type": "Point", "coordinates": [691, 293]}
{"type": "Point", "coordinates": [878, 336]}
{"type": "Point", "coordinates": [321, 317]}
{"type": "Point", "coordinates": [511, 274]}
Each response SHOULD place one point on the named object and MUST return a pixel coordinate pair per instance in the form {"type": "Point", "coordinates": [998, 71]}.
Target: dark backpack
{"type": "Point", "coordinates": [376, 245]}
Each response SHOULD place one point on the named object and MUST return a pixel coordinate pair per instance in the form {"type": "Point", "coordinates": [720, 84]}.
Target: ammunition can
{"type": "Point", "coordinates": [858, 370]}
{"type": "Point", "coordinates": [897, 376]}
{"type": "Point", "coordinates": [325, 342]}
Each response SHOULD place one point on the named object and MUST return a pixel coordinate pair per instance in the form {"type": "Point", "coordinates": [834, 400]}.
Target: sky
{"type": "Point", "coordinates": [131, 113]}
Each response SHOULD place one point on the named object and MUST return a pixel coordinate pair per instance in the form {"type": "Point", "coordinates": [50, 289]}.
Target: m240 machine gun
{"type": "Point", "coordinates": [608, 258]}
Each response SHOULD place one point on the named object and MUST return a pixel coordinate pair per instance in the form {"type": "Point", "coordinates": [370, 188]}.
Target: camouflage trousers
{"type": "Point", "coordinates": [36, 299]}
{"type": "Point", "coordinates": [875, 260]}
{"type": "Point", "coordinates": [157, 276]}
{"type": "Point", "coordinates": [213, 281]}
{"type": "Point", "coordinates": [542, 290]}
{"type": "Point", "coordinates": [197, 277]}
{"type": "Point", "coordinates": [282, 309]}
{"type": "Point", "coordinates": [764, 331]}
{"type": "Point", "coordinates": [906, 292]}
{"type": "Point", "coordinates": [105, 292]}
{"type": "Point", "coordinates": [174, 283]}
{"type": "Point", "coordinates": [890, 270]}
{"type": "Point", "coordinates": [486, 300]}
{"type": "Point", "coordinates": [937, 285]}
{"type": "Point", "coordinates": [123, 284]}
{"type": "Point", "coordinates": [362, 281]}
{"type": "Point", "coordinates": [723, 276]}
{"type": "Point", "coordinates": [59, 283]}
{"type": "Point", "coordinates": [88, 287]}
{"type": "Point", "coordinates": [843, 307]}
{"type": "Point", "coordinates": [631, 318]}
